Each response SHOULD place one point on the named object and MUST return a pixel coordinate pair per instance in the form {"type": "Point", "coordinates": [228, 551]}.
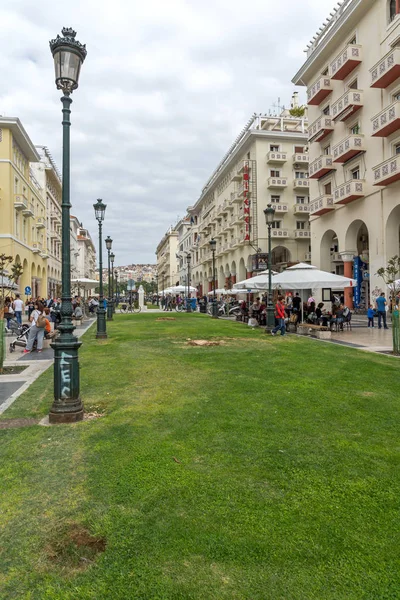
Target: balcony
{"type": "Point", "coordinates": [280, 233]}
{"type": "Point", "coordinates": [222, 209]}
{"type": "Point", "coordinates": [347, 105]}
{"type": "Point", "coordinates": [349, 191]}
{"type": "Point", "coordinates": [20, 202]}
{"type": "Point", "coordinates": [319, 90]}
{"type": "Point", "coordinates": [302, 234]}
{"type": "Point", "coordinates": [321, 166]}
{"type": "Point", "coordinates": [40, 222]}
{"type": "Point", "coordinates": [277, 182]}
{"type": "Point", "coordinates": [44, 254]}
{"type": "Point", "coordinates": [29, 211]}
{"type": "Point", "coordinates": [237, 219]}
{"type": "Point", "coordinates": [307, 257]}
{"type": "Point", "coordinates": [349, 147]}
{"type": "Point", "coordinates": [55, 216]}
{"type": "Point", "coordinates": [346, 62]}
{"type": "Point", "coordinates": [387, 172]}
{"type": "Point", "coordinates": [36, 247]}
{"type": "Point", "coordinates": [301, 183]}
{"type": "Point", "coordinates": [322, 127]}
{"type": "Point", "coordinates": [387, 121]}
{"type": "Point", "coordinates": [233, 243]}
{"type": "Point", "coordinates": [387, 70]}
{"type": "Point", "coordinates": [53, 234]}
{"type": "Point", "coordinates": [301, 159]}
{"type": "Point", "coordinates": [276, 157]}
{"type": "Point", "coordinates": [321, 205]}
{"type": "Point", "coordinates": [301, 209]}
{"type": "Point", "coordinates": [280, 208]}
{"type": "Point", "coordinates": [236, 196]}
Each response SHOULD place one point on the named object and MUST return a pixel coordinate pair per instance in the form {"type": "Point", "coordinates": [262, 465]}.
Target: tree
{"type": "Point", "coordinates": [9, 271]}
{"type": "Point", "coordinates": [391, 276]}
{"type": "Point", "coordinates": [298, 111]}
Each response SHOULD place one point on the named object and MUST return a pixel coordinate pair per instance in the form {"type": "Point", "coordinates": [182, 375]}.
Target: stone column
{"type": "Point", "coordinates": [348, 258]}
{"type": "Point", "coordinates": [233, 278]}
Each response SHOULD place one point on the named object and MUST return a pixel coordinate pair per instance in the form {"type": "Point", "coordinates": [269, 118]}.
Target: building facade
{"type": "Point", "coordinates": [167, 262]}
{"type": "Point", "coordinates": [352, 73]}
{"type": "Point", "coordinates": [186, 230]}
{"type": "Point", "coordinates": [49, 178]}
{"type": "Point", "coordinates": [86, 254]}
{"type": "Point", "coordinates": [268, 163]}
{"type": "Point", "coordinates": [22, 207]}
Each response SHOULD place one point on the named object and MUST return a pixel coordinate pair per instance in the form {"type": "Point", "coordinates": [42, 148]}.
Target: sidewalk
{"type": "Point", "coordinates": [13, 386]}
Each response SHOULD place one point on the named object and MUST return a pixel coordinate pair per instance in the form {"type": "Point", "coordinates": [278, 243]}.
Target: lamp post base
{"type": "Point", "coordinates": [101, 324]}
{"type": "Point", "coordinates": [270, 319]}
{"type": "Point", "coordinates": [109, 310]}
{"type": "Point", "coordinates": [70, 417]}
{"type": "Point", "coordinates": [214, 309]}
{"type": "Point", "coordinates": [67, 406]}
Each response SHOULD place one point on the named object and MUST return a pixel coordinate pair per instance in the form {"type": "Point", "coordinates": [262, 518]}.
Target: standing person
{"type": "Point", "coordinates": [31, 305]}
{"type": "Point", "coordinates": [370, 315]}
{"type": "Point", "coordinates": [8, 311]}
{"type": "Point", "coordinates": [381, 304]}
{"type": "Point", "coordinates": [18, 307]}
{"type": "Point", "coordinates": [280, 316]}
{"type": "Point", "coordinates": [36, 332]}
{"type": "Point", "coordinates": [296, 302]}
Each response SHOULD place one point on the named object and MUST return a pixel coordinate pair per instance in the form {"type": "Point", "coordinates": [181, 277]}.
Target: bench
{"type": "Point", "coordinates": [321, 332]}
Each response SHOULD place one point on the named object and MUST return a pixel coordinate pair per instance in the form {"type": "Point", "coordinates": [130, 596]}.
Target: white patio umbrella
{"type": "Point", "coordinates": [85, 283]}
{"type": "Point", "coordinates": [178, 289]}
{"type": "Point", "coordinates": [223, 291]}
{"type": "Point", "coordinates": [304, 276]}
{"type": "Point", "coordinates": [252, 281]}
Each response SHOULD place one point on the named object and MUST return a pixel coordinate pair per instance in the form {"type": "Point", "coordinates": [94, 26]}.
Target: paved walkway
{"type": "Point", "coordinates": [13, 386]}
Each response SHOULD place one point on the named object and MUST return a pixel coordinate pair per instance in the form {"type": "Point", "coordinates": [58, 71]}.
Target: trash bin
{"type": "Point", "coordinates": [203, 307]}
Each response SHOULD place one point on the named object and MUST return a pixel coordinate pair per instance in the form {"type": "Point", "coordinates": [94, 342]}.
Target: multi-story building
{"type": "Point", "coordinates": [49, 178]}
{"type": "Point", "coordinates": [75, 250]}
{"type": "Point", "coordinates": [167, 262]}
{"type": "Point", "coordinates": [86, 258]}
{"type": "Point", "coordinates": [268, 163]}
{"type": "Point", "coordinates": [187, 238]}
{"type": "Point", "coordinates": [22, 207]}
{"type": "Point", "coordinates": [352, 72]}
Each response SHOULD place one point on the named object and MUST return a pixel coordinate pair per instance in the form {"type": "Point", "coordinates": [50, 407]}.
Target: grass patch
{"type": "Point", "coordinates": [263, 468]}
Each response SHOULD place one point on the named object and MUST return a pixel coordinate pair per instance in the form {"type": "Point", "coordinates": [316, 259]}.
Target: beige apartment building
{"type": "Point", "coordinates": [268, 163]}
{"type": "Point", "coordinates": [352, 73]}
{"type": "Point", "coordinates": [167, 262]}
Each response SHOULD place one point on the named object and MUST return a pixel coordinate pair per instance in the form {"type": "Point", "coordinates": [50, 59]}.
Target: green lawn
{"type": "Point", "coordinates": [266, 468]}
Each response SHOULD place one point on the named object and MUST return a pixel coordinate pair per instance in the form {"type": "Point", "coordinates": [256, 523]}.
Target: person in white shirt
{"type": "Point", "coordinates": [18, 307]}
{"type": "Point", "coordinates": [36, 332]}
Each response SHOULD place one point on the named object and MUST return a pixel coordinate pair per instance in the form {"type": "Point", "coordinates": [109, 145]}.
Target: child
{"type": "Point", "coordinates": [370, 315]}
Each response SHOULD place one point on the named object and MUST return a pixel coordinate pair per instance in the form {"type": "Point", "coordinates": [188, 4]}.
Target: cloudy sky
{"type": "Point", "coordinates": [164, 90]}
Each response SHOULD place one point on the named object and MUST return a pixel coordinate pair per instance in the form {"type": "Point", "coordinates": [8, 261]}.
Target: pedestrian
{"type": "Point", "coordinates": [8, 311]}
{"type": "Point", "coordinates": [381, 304]}
{"type": "Point", "coordinates": [370, 315]}
{"type": "Point", "coordinates": [18, 307]}
{"type": "Point", "coordinates": [31, 305]}
{"type": "Point", "coordinates": [280, 316]}
{"type": "Point", "coordinates": [37, 329]}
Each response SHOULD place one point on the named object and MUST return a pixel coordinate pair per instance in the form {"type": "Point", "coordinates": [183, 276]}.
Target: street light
{"type": "Point", "coordinates": [214, 307]}
{"type": "Point", "coordinates": [100, 211]}
{"type": "Point", "coordinates": [188, 261]}
{"type": "Point", "coordinates": [269, 213]}
{"type": "Point", "coordinates": [68, 55]}
{"type": "Point", "coordinates": [116, 288]}
{"type": "Point", "coordinates": [158, 300]}
{"type": "Point", "coordinates": [112, 259]}
{"type": "Point", "coordinates": [109, 242]}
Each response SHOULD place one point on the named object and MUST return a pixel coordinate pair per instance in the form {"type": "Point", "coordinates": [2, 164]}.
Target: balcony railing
{"type": "Point", "coordinates": [336, 257]}
{"type": "Point", "coordinates": [301, 184]}
{"type": "Point", "coordinates": [321, 127]}
{"type": "Point", "coordinates": [347, 105]}
{"type": "Point", "coordinates": [387, 172]}
{"type": "Point", "coordinates": [322, 205]}
{"type": "Point", "coordinates": [280, 233]}
{"type": "Point", "coordinates": [40, 222]}
{"type": "Point", "coordinates": [276, 157]}
{"type": "Point", "coordinates": [349, 191]}
{"type": "Point", "coordinates": [346, 61]}
{"type": "Point", "coordinates": [387, 121]}
{"type": "Point", "coordinates": [319, 90]}
{"type": "Point", "coordinates": [321, 166]}
{"type": "Point", "coordinates": [307, 257]}
{"type": "Point", "coordinates": [29, 211]}
{"type": "Point", "coordinates": [20, 202]}
{"type": "Point", "coordinates": [280, 208]}
{"type": "Point", "coordinates": [277, 182]}
{"type": "Point", "coordinates": [236, 196]}
{"type": "Point", "coordinates": [387, 70]}
{"type": "Point", "coordinates": [302, 234]}
{"type": "Point", "coordinates": [36, 247]}
{"type": "Point", "coordinates": [349, 147]}
{"type": "Point", "coordinates": [300, 209]}
{"type": "Point", "coordinates": [301, 159]}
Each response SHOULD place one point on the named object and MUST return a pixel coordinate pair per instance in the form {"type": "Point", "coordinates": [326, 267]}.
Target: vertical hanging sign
{"type": "Point", "coordinates": [246, 194]}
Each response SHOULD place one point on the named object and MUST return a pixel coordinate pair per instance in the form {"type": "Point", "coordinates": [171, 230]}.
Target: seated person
{"type": "Point", "coordinates": [255, 308]}
{"type": "Point", "coordinates": [48, 333]}
{"type": "Point", "coordinates": [337, 316]}
{"type": "Point", "coordinates": [78, 313]}
{"type": "Point", "coordinates": [322, 319]}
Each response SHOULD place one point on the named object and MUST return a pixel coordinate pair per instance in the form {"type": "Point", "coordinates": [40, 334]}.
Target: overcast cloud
{"type": "Point", "coordinates": [164, 90]}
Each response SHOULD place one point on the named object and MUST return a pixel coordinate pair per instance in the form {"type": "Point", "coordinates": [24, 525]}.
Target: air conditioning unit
{"type": "Point", "coordinates": [296, 166]}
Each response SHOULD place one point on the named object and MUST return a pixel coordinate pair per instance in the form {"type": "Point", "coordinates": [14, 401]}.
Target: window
{"type": "Point", "coordinates": [248, 156]}
{"type": "Point", "coordinates": [275, 173]}
{"type": "Point", "coordinates": [326, 110]}
{"type": "Point", "coordinates": [353, 85]}
{"type": "Point", "coordinates": [328, 189]}
{"type": "Point", "coordinates": [301, 200]}
{"type": "Point", "coordinates": [16, 182]}
{"type": "Point", "coordinates": [300, 224]}
{"type": "Point", "coordinates": [276, 224]}
{"type": "Point", "coordinates": [325, 71]}
{"type": "Point", "coordinates": [298, 149]}
{"type": "Point", "coordinates": [300, 175]}
{"type": "Point", "coordinates": [392, 9]}
{"type": "Point", "coordinates": [275, 199]}
{"type": "Point", "coordinates": [355, 173]}
{"type": "Point", "coordinates": [327, 150]}
{"type": "Point", "coordinates": [396, 96]}
{"type": "Point", "coordinates": [355, 129]}
{"type": "Point", "coordinates": [397, 149]}
{"type": "Point", "coordinates": [274, 148]}
{"type": "Point", "coordinates": [353, 40]}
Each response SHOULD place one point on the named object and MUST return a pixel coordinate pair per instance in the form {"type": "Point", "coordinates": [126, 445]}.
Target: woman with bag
{"type": "Point", "coordinates": [36, 332]}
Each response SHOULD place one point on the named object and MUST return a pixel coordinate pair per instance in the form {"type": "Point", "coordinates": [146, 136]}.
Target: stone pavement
{"type": "Point", "coordinates": [12, 386]}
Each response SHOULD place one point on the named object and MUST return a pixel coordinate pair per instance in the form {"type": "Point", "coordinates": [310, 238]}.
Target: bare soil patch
{"type": "Point", "coordinates": [12, 370]}
{"type": "Point", "coordinates": [15, 423]}
{"type": "Point", "coordinates": [75, 548]}
{"type": "Point", "coordinates": [206, 343]}
{"type": "Point", "coordinates": [166, 319]}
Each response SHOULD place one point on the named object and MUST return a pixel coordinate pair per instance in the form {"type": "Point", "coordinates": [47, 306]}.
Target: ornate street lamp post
{"type": "Point", "coordinates": [112, 259]}
{"type": "Point", "coordinates": [99, 211]}
{"type": "Point", "coordinates": [188, 261]}
{"type": "Point", "coordinates": [214, 308]}
{"type": "Point", "coordinates": [269, 213]}
{"type": "Point", "coordinates": [68, 55]}
{"type": "Point", "coordinates": [109, 242]}
{"type": "Point", "coordinates": [158, 300]}
{"type": "Point", "coordinates": [116, 288]}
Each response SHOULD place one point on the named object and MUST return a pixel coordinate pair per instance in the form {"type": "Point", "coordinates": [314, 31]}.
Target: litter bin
{"type": "Point", "coordinates": [203, 307]}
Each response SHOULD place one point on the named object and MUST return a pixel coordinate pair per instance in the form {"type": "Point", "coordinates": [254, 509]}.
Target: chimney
{"type": "Point", "coordinates": [295, 100]}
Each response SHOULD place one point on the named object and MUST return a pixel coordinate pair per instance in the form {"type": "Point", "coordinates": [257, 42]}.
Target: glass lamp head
{"type": "Point", "coordinates": [213, 244]}
{"type": "Point", "coordinates": [112, 257]}
{"type": "Point", "coordinates": [188, 258]}
{"type": "Point", "coordinates": [68, 55]}
{"type": "Point", "coordinates": [269, 213]}
{"type": "Point", "coordinates": [108, 242]}
{"type": "Point", "coordinates": [100, 210]}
